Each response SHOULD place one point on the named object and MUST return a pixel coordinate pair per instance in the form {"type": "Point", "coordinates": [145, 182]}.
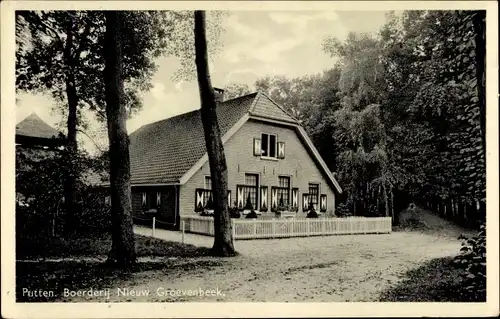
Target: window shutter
{"type": "Point", "coordinates": [158, 199]}
{"type": "Point", "coordinates": [295, 198]}
{"type": "Point", "coordinates": [257, 150]}
{"type": "Point", "coordinates": [263, 199]}
{"type": "Point", "coordinates": [274, 199]}
{"type": "Point", "coordinates": [322, 203]}
{"type": "Point", "coordinates": [143, 203]}
{"type": "Point", "coordinates": [198, 207]}
{"type": "Point", "coordinates": [281, 150]}
{"type": "Point", "coordinates": [305, 202]}
{"type": "Point", "coordinates": [229, 204]}
{"type": "Point", "coordinates": [239, 196]}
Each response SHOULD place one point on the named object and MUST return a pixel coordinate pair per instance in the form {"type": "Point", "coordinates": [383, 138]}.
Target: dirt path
{"type": "Point", "coordinates": [333, 268]}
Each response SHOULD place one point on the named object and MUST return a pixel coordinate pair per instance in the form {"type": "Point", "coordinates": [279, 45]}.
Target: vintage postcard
{"type": "Point", "coordinates": [249, 159]}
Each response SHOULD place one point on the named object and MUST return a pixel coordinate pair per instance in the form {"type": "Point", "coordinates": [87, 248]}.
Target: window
{"type": "Point", "coordinates": [148, 200]}
{"type": "Point", "coordinates": [268, 145]}
{"type": "Point", "coordinates": [284, 190]}
{"type": "Point", "coordinates": [208, 182]}
{"type": "Point", "coordinates": [250, 190]}
{"type": "Point", "coordinates": [314, 194]}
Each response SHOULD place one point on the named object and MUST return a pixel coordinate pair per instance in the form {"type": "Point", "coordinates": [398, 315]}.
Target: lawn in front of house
{"type": "Point", "coordinates": [98, 246]}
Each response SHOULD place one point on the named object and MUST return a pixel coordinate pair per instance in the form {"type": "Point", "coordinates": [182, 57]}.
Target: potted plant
{"type": "Point", "coordinates": [249, 209]}
{"type": "Point", "coordinates": [252, 214]}
{"type": "Point", "coordinates": [281, 208]}
{"type": "Point", "coordinates": [208, 210]}
{"type": "Point", "coordinates": [312, 212]}
{"type": "Point", "coordinates": [234, 211]}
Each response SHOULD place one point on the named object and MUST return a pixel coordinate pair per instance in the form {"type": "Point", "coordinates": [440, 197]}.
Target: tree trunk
{"type": "Point", "coordinates": [395, 219]}
{"type": "Point", "coordinates": [386, 201]}
{"type": "Point", "coordinates": [72, 148]}
{"type": "Point", "coordinates": [123, 244]}
{"type": "Point", "coordinates": [223, 237]}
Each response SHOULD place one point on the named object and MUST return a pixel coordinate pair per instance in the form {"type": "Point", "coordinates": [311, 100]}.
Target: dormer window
{"type": "Point", "coordinates": [268, 145]}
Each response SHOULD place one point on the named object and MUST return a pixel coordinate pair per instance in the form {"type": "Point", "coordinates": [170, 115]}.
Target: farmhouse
{"type": "Point", "coordinates": [270, 159]}
{"type": "Point", "coordinates": [37, 136]}
{"type": "Point", "coordinates": [35, 141]}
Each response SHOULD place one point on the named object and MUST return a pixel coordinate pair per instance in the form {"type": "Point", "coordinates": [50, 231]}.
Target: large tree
{"type": "Point", "coordinates": [63, 53]}
{"type": "Point", "coordinates": [123, 244]}
{"type": "Point", "coordinates": [223, 241]}
{"type": "Point", "coordinates": [60, 52]}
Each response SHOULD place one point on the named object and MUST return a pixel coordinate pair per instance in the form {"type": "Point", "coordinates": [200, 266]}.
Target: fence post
{"type": "Point", "coordinates": [254, 230]}
{"type": "Point", "coordinates": [307, 226]}
{"type": "Point", "coordinates": [233, 228]}
{"type": "Point", "coordinates": [183, 227]}
{"type": "Point", "coordinates": [154, 225]}
{"type": "Point", "coordinates": [274, 228]}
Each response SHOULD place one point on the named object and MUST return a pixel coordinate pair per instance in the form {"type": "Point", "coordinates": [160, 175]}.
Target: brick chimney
{"type": "Point", "coordinates": [219, 95]}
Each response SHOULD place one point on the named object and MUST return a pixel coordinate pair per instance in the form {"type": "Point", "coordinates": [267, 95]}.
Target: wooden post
{"type": "Point", "coordinates": [274, 227]}
{"type": "Point", "coordinates": [154, 225]}
{"type": "Point", "coordinates": [183, 227]}
{"type": "Point", "coordinates": [233, 228]}
{"type": "Point", "coordinates": [254, 230]}
{"type": "Point", "coordinates": [307, 226]}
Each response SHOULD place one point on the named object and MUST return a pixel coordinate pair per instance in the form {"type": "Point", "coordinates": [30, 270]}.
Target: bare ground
{"type": "Point", "coordinates": [333, 268]}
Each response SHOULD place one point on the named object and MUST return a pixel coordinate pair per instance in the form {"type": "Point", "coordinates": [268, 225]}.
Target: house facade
{"type": "Point", "coordinates": [270, 159]}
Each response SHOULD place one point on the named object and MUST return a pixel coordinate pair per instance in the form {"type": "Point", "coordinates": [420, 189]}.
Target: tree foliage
{"type": "Point", "coordinates": [42, 40]}
{"type": "Point", "coordinates": [400, 115]}
{"type": "Point", "coordinates": [234, 90]}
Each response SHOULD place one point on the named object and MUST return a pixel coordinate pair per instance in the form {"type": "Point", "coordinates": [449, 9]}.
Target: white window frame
{"type": "Point", "coordinates": [275, 157]}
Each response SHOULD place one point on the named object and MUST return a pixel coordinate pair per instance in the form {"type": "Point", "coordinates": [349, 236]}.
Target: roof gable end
{"type": "Point", "coordinates": [34, 126]}
{"type": "Point", "coordinates": [265, 107]}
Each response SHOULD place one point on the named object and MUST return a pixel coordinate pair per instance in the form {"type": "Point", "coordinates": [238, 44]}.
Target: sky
{"type": "Point", "coordinates": [254, 44]}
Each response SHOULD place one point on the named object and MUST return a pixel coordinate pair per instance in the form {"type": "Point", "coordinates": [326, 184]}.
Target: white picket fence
{"type": "Point", "coordinates": [295, 227]}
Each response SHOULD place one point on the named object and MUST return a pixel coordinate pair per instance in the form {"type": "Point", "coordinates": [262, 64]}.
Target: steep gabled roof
{"type": "Point", "coordinates": [34, 126]}
{"type": "Point", "coordinates": [171, 150]}
{"type": "Point", "coordinates": [163, 151]}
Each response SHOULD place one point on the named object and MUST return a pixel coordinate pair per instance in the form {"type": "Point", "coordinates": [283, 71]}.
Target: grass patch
{"type": "Point", "coordinates": [437, 281]}
{"type": "Point", "coordinates": [99, 246]}
{"type": "Point", "coordinates": [54, 277]}
{"type": "Point", "coordinates": [81, 274]}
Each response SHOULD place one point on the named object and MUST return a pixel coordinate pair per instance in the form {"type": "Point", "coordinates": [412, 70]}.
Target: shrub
{"type": "Point", "coordinates": [92, 214]}
{"type": "Point", "coordinates": [40, 210]}
{"type": "Point", "coordinates": [343, 210]}
{"type": "Point", "coordinates": [472, 260]}
{"type": "Point", "coordinates": [234, 212]}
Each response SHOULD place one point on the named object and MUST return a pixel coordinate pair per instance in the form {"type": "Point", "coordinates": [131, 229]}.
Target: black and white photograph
{"type": "Point", "coordinates": [249, 152]}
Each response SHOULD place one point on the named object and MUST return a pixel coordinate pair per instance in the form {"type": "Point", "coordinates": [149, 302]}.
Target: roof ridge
{"type": "Point", "coordinates": [193, 111]}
